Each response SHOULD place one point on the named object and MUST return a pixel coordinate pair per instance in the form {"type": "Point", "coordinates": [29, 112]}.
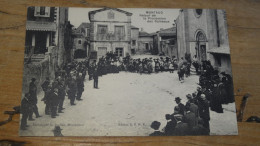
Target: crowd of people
{"type": "Point", "coordinates": [68, 81]}
{"type": "Point", "coordinates": [193, 118]}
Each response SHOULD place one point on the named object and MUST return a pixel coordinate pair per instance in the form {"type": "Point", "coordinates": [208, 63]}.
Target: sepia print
{"type": "Point", "coordinates": [127, 72]}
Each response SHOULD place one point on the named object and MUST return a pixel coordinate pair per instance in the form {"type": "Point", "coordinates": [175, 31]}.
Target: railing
{"type": "Point", "coordinates": [110, 37]}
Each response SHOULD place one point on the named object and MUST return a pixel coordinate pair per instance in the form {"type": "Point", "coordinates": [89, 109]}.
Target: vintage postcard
{"type": "Point", "coordinates": [127, 72]}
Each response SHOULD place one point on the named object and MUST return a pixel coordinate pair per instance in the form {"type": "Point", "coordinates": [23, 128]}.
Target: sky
{"type": "Point", "coordinates": [138, 19]}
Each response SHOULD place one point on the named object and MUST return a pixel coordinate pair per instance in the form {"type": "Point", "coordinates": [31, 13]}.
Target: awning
{"type": "Point", "coordinates": [220, 50]}
{"type": "Point", "coordinates": [41, 26]}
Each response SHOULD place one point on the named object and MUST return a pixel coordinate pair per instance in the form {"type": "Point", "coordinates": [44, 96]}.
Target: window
{"type": "Point", "coordinates": [218, 60]}
{"type": "Point", "coordinates": [102, 29]}
{"type": "Point", "coordinates": [119, 30]}
{"type": "Point", "coordinates": [42, 12]}
{"type": "Point", "coordinates": [198, 12]}
{"type": "Point", "coordinates": [119, 52]}
{"type": "Point", "coordinates": [134, 42]}
{"type": "Point", "coordinates": [79, 42]}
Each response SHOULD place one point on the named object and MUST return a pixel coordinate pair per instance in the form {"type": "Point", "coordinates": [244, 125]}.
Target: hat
{"type": "Point", "coordinates": [188, 96]}
{"type": "Point", "coordinates": [177, 98]}
{"type": "Point", "coordinates": [155, 125]}
{"type": "Point", "coordinates": [57, 128]}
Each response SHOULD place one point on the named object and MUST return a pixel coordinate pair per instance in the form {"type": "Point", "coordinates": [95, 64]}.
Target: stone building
{"type": "Point", "coordinates": [48, 43]}
{"type": "Point", "coordinates": [145, 44]}
{"type": "Point", "coordinates": [134, 39]}
{"type": "Point", "coordinates": [110, 30]}
{"type": "Point", "coordinates": [81, 41]}
{"type": "Point", "coordinates": [165, 42]}
{"type": "Point", "coordinates": [203, 32]}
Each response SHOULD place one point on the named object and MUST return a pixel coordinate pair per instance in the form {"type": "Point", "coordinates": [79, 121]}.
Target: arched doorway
{"type": "Point", "coordinates": [201, 46]}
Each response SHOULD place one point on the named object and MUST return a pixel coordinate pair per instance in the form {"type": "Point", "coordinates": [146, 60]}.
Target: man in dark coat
{"type": "Point", "coordinates": [95, 76]}
{"type": "Point", "coordinates": [80, 85]}
{"type": "Point", "coordinates": [54, 102]}
{"type": "Point", "coordinates": [181, 128]}
{"type": "Point", "coordinates": [156, 125]}
{"type": "Point", "coordinates": [47, 99]}
{"type": "Point", "coordinates": [204, 111]}
{"type": "Point", "coordinates": [45, 89]}
{"type": "Point", "coordinates": [170, 126]}
{"type": "Point", "coordinates": [72, 85]}
{"type": "Point", "coordinates": [33, 99]}
{"type": "Point", "coordinates": [190, 118]}
{"type": "Point", "coordinates": [180, 105]}
{"type": "Point", "coordinates": [25, 110]}
{"type": "Point", "coordinates": [61, 95]}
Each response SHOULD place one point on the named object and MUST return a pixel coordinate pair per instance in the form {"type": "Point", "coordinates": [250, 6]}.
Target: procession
{"type": "Point", "coordinates": [112, 74]}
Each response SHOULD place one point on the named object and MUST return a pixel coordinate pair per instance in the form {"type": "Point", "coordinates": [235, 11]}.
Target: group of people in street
{"type": "Point", "coordinates": [190, 119]}
{"type": "Point", "coordinates": [68, 81]}
{"type": "Point", "coordinates": [193, 118]}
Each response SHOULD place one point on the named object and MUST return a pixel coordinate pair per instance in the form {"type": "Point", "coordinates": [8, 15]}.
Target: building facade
{"type": "Point", "coordinates": [145, 44]}
{"type": "Point", "coordinates": [81, 41]}
{"type": "Point", "coordinates": [203, 32]}
{"type": "Point", "coordinates": [110, 30]}
{"type": "Point", "coordinates": [48, 43]}
{"type": "Point", "coordinates": [134, 39]}
{"type": "Point", "coordinates": [165, 42]}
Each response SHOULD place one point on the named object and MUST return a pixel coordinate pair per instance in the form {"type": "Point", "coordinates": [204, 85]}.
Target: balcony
{"type": "Point", "coordinates": [110, 37]}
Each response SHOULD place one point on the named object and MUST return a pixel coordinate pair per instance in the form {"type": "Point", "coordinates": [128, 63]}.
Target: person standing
{"type": "Point", "coordinates": [54, 102]}
{"type": "Point", "coordinates": [61, 95]}
{"type": "Point", "coordinates": [25, 110]}
{"type": "Point", "coordinates": [95, 76]}
{"type": "Point", "coordinates": [180, 105]}
{"type": "Point", "coordinates": [33, 99]}
{"type": "Point", "coordinates": [204, 111]}
{"type": "Point", "coordinates": [72, 85]}
{"type": "Point", "coordinates": [80, 86]}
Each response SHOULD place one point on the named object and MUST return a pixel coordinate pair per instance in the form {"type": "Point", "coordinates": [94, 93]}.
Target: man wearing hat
{"type": "Point", "coordinates": [156, 125]}
{"type": "Point", "coordinates": [180, 105]}
{"type": "Point", "coordinates": [25, 110]}
{"type": "Point", "coordinates": [33, 99]}
{"type": "Point", "coordinates": [57, 131]}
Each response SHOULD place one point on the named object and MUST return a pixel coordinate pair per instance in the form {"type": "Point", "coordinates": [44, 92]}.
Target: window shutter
{"type": "Point", "coordinates": [47, 11]}
{"type": "Point", "coordinates": [36, 11]}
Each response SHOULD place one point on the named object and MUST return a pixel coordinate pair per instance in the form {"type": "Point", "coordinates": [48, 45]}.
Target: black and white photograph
{"type": "Point", "coordinates": [127, 72]}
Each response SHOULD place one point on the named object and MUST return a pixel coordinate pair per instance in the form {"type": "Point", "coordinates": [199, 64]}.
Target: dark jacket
{"type": "Point", "coordinates": [181, 129]}
{"type": "Point", "coordinates": [156, 133]}
{"type": "Point", "coordinates": [169, 128]}
{"type": "Point", "coordinates": [190, 119]}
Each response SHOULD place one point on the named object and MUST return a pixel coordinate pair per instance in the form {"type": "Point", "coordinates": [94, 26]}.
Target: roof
{"type": "Point", "coordinates": [41, 26]}
{"type": "Point", "coordinates": [134, 27]}
{"type": "Point", "coordinates": [167, 32]}
{"type": "Point", "coordinates": [83, 25]}
{"type": "Point", "coordinates": [220, 50]}
{"type": "Point", "coordinates": [104, 9]}
{"type": "Point", "coordinates": [143, 33]}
